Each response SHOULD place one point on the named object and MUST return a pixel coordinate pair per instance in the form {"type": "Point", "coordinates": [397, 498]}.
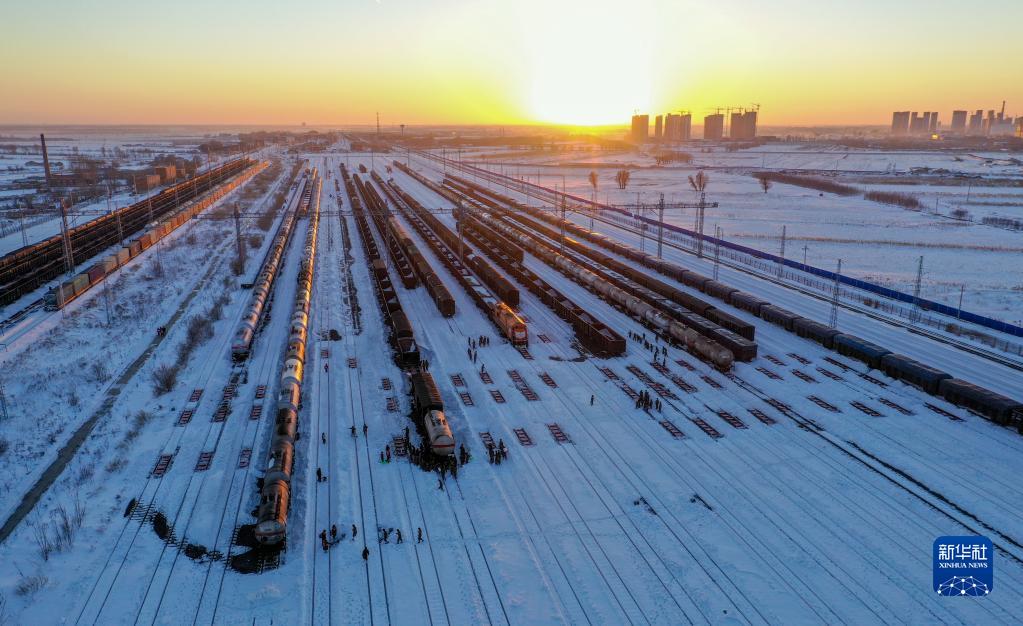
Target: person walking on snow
{"type": "Point", "coordinates": [419, 536]}
{"type": "Point", "coordinates": [326, 367]}
{"type": "Point", "coordinates": [365, 553]}
{"type": "Point", "coordinates": [400, 540]}
{"type": "Point", "coordinates": [365, 428]}
{"type": "Point", "coordinates": [355, 531]}
{"type": "Point", "coordinates": [354, 435]}
{"type": "Point", "coordinates": [319, 475]}
{"type": "Point", "coordinates": [333, 532]}
{"type": "Point", "coordinates": [591, 399]}
{"type": "Point", "coordinates": [323, 437]}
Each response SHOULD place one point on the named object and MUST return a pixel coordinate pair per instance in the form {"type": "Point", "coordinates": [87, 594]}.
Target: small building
{"type": "Point", "coordinates": [166, 173]}
{"type": "Point", "coordinates": [145, 183]}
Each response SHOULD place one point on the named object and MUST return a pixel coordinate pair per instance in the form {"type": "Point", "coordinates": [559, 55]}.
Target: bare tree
{"type": "Point", "coordinates": [622, 178]}
{"type": "Point", "coordinates": [699, 182]}
{"type": "Point", "coordinates": [765, 183]}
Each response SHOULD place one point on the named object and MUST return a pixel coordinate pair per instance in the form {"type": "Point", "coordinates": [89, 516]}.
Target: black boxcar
{"type": "Point", "coordinates": [718, 290]}
{"type": "Point", "coordinates": [861, 349]}
{"type": "Point", "coordinates": [997, 407]}
{"type": "Point", "coordinates": [732, 323]}
{"type": "Point", "coordinates": [810, 329]}
{"type": "Point", "coordinates": [779, 316]}
{"type": "Point", "coordinates": [747, 302]}
{"type": "Point", "coordinates": [743, 349]}
{"type": "Point", "coordinates": [906, 369]}
{"type": "Point", "coordinates": [692, 279]}
{"type": "Point", "coordinates": [425, 394]}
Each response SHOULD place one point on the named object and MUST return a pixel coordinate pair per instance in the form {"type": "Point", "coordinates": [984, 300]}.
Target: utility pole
{"type": "Point", "coordinates": [781, 262]}
{"type": "Point", "coordinates": [805, 248]}
{"type": "Point", "coordinates": [718, 234]}
{"type": "Point", "coordinates": [660, 225]}
{"type": "Point", "coordinates": [916, 288]}
{"type": "Point", "coordinates": [24, 233]}
{"type": "Point", "coordinates": [833, 321]}
{"type": "Point", "coordinates": [699, 223]}
{"type": "Point", "coordinates": [238, 237]}
{"type": "Point", "coordinates": [564, 202]}
{"type": "Point", "coordinates": [461, 241]}
{"type": "Point", "coordinates": [69, 260]}
{"type": "Point", "coordinates": [962, 291]}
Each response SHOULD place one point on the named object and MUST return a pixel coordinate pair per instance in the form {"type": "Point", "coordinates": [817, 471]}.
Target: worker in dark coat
{"type": "Point", "coordinates": [365, 553]}
{"type": "Point", "coordinates": [420, 536]}
{"type": "Point", "coordinates": [400, 540]}
{"type": "Point", "coordinates": [355, 531]}
{"type": "Point", "coordinates": [333, 532]}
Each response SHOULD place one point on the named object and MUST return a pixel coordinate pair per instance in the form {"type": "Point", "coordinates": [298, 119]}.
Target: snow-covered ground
{"type": "Point", "coordinates": [808, 516]}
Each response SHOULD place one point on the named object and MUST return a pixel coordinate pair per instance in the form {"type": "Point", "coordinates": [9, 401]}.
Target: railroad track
{"type": "Point", "coordinates": [1007, 545]}
{"type": "Point", "coordinates": [865, 311]}
{"type": "Point", "coordinates": [106, 580]}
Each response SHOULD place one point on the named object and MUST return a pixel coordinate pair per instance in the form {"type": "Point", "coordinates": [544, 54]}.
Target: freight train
{"type": "Point", "coordinates": [242, 343]}
{"type": "Point", "coordinates": [591, 333]}
{"type": "Point", "coordinates": [392, 230]}
{"type": "Point", "coordinates": [27, 268]}
{"type": "Point", "coordinates": [58, 297]}
{"type": "Point", "coordinates": [640, 303]}
{"type": "Point", "coordinates": [444, 243]}
{"type": "Point", "coordinates": [727, 330]}
{"type": "Point", "coordinates": [427, 405]}
{"type": "Point", "coordinates": [402, 338]}
{"type": "Point", "coordinates": [275, 492]}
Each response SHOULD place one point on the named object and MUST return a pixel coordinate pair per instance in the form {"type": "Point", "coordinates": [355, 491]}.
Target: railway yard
{"type": "Point", "coordinates": [432, 397]}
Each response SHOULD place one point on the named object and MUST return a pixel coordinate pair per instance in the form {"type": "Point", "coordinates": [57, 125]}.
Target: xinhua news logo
{"type": "Point", "coordinates": [963, 566]}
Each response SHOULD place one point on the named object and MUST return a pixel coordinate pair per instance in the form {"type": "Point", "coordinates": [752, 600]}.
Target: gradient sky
{"type": "Point", "coordinates": [501, 61]}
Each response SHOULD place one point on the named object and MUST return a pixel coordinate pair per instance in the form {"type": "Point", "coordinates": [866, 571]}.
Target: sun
{"type": "Point", "coordinates": [588, 65]}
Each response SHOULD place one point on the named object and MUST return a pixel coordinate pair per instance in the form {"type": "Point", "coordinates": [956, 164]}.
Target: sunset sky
{"type": "Point", "coordinates": [497, 61]}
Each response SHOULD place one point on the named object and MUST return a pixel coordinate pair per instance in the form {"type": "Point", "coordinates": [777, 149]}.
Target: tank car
{"type": "Point", "coordinates": [272, 514]}
{"type": "Point", "coordinates": [439, 433]}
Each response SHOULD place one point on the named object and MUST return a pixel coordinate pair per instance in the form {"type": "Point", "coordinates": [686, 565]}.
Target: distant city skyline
{"type": "Point", "coordinates": [571, 62]}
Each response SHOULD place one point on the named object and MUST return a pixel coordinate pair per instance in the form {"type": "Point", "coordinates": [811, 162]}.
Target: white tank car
{"type": "Point", "coordinates": [292, 372]}
{"type": "Point", "coordinates": [437, 429]}
{"type": "Point", "coordinates": [288, 397]}
{"type": "Point", "coordinates": [299, 319]}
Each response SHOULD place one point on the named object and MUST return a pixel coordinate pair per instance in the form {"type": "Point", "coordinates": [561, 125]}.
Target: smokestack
{"type": "Point", "coordinates": [46, 161]}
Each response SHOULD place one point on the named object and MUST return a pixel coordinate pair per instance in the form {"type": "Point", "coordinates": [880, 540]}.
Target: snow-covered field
{"type": "Point", "coordinates": [806, 516]}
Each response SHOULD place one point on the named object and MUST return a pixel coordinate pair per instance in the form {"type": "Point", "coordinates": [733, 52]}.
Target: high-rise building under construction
{"type": "Point", "coordinates": [640, 128]}
{"type": "Point", "coordinates": [959, 122]}
{"type": "Point", "coordinates": [714, 127]}
{"type": "Point", "coordinates": [900, 123]}
{"type": "Point", "coordinates": [743, 125]}
{"type": "Point", "coordinates": [678, 127]}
